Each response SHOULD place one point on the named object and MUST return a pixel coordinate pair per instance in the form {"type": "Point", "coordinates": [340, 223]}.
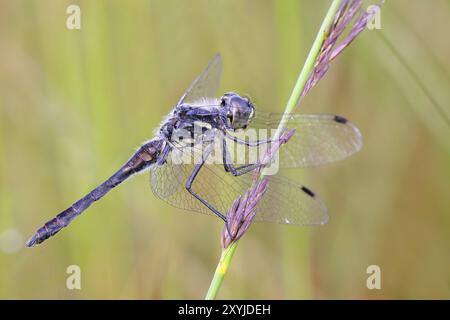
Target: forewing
{"type": "Point", "coordinates": [318, 139]}
{"type": "Point", "coordinates": [206, 84]}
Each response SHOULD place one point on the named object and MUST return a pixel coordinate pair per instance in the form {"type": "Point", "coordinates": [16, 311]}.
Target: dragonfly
{"type": "Point", "coordinates": [200, 120]}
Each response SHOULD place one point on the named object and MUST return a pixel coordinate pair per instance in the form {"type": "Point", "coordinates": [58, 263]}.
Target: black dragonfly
{"type": "Point", "coordinates": [197, 124]}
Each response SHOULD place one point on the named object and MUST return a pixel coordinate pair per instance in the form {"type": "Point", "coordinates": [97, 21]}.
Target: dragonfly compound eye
{"type": "Point", "coordinates": [242, 111]}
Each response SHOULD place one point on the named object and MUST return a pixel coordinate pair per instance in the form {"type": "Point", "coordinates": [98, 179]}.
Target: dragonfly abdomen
{"type": "Point", "coordinates": [146, 156]}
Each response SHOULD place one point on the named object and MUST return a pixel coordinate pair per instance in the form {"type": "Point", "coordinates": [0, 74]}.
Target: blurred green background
{"type": "Point", "coordinates": [74, 105]}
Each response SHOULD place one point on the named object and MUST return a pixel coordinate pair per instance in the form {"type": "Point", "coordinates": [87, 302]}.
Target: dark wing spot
{"type": "Point", "coordinates": [340, 119]}
{"type": "Point", "coordinates": [308, 192]}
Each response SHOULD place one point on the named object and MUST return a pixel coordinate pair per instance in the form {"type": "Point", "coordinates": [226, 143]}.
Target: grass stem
{"type": "Point", "coordinates": [308, 67]}
{"type": "Point", "coordinates": [221, 270]}
{"type": "Point", "coordinates": [294, 99]}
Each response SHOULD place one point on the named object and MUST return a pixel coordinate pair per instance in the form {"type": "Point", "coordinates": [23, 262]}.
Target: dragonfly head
{"type": "Point", "coordinates": [238, 111]}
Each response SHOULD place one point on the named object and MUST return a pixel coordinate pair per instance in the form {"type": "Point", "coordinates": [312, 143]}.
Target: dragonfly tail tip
{"type": "Point", "coordinates": [32, 242]}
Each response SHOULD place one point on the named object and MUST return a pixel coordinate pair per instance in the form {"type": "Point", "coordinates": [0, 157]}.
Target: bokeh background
{"type": "Point", "coordinates": [74, 105]}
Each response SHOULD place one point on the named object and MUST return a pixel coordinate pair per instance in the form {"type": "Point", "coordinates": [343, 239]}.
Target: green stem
{"type": "Point", "coordinates": [221, 270]}
{"type": "Point", "coordinates": [308, 67]}
{"type": "Point", "coordinates": [227, 254]}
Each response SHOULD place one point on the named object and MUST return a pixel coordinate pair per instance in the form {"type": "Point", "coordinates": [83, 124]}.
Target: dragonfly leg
{"type": "Point", "coordinates": [229, 166]}
{"type": "Point", "coordinates": [190, 181]}
{"type": "Point", "coordinates": [238, 171]}
{"type": "Point", "coordinates": [162, 158]}
{"type": "Point", "coordinates": [255, 143]}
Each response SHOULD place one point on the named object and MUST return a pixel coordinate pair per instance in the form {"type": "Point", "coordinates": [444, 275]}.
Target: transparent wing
{"type": "Point", "coordinates": [207, 83]}
{"type": "Point", "coordinates": [291, 203]}
{"type": "Point", "coordinates": [284, 202]}
{"type": "Point", "coordinates": [318, 139]}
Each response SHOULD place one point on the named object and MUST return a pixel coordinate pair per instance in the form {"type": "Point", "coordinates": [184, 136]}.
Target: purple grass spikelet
{"type": "Point", "coordinates": [244, 208]}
